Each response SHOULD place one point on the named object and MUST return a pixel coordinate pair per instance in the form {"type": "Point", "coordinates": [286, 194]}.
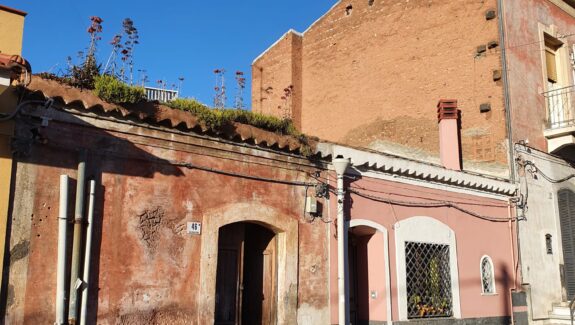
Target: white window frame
{"type": "Point", "coordinates": [488, 258]}
{"type": "Point", "coordinates": [424, 230]}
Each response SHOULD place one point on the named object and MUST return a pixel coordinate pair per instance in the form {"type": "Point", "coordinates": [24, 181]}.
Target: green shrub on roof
{"type": "Point", "coordinates": [216, 118]}
{"type": "Point", "coordinates": [115, 91]}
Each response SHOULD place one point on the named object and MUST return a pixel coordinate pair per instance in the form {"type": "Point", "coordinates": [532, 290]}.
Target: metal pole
{"type": "Point", "coordinates": [87, 255]}
{"type": "Point", "coordinates": [78, 220]}
{"type": "Point", "coordinates": [340, 165]}
{"type": "Point", "coordinates": [61, 270]}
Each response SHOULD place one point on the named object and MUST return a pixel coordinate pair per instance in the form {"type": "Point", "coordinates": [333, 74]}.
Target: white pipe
{"type": "Point", "coordinates": [340, 165]}
{"type": "Point", "coordinates": [87, 255]}
{"type": "Point", "coordinates": [61, 271]}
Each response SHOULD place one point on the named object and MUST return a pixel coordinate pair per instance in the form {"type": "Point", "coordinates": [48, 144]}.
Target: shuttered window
{"type": "Point", "coordinates": [551, 63]}
{"type": "Point", "coordinates": [567, 220]}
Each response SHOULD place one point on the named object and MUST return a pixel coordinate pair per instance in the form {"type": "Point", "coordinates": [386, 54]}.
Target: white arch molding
{"type": "Point", "coordinates": [286, 229]}
{"type": "Point", "coordinates": [368, 223]}
{"type": "Point", "coordinates": [424, 230]}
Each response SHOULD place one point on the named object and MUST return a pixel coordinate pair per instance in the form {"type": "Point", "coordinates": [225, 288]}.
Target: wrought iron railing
{"type": "Point", "coordinates": [560, 107]}
{"type": "Point", "coordinates": [428, 280]}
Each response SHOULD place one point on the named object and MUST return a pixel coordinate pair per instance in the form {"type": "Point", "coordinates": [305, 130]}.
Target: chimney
{"type": "Point", "coordinates": [449, 140]}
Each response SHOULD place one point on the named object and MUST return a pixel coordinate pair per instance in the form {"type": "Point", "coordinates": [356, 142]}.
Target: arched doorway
{"type": "Point", "coordinates": [246, 286]}
{"type": "Point", "coordinates": [369, 282]}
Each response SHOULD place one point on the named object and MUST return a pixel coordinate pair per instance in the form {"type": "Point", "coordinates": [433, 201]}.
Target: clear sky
{"type": "Point", "coordinates": [177, 38]}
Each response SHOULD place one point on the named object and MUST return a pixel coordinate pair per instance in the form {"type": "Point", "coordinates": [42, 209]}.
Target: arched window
{"type": "Point", "coordinates": [487, 276]}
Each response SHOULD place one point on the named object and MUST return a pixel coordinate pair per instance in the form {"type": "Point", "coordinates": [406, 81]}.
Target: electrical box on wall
{"type": "Point", "coordinates": [311, 205]}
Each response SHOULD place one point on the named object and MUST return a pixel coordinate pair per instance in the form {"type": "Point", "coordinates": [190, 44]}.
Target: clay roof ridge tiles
{"type": "Point", "coordinates": [158, 114]}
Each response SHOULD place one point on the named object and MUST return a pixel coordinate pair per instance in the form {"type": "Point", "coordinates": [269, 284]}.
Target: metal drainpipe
{"type": "Point", "coordinates": [340, 165]}
{"type": "Point", "coordinates": [505, 77]}
{"type": "Point", "coordinates": [78, 220]}
{"type": "Point", "coordinates": [61, 270]}
{"type": "Point", "coordinates": [87, 255]}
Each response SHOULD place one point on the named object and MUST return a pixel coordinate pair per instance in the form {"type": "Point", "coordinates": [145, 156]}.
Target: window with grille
{"type": "Point", "coordinates": [487, 278]}
{"type": "Point", "coordinates": [428, 280]}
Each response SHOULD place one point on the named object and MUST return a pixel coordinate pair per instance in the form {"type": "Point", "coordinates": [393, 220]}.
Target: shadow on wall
{"type": "Point", "coordinates": [57, 146]}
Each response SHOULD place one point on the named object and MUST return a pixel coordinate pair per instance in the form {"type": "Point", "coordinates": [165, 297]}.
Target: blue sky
{"type": "Point", "coordinates": [177, 38]}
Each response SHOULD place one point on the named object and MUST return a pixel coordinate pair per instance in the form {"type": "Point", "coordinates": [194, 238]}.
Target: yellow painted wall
{"type": "Point", "coordinates": [11, 32]}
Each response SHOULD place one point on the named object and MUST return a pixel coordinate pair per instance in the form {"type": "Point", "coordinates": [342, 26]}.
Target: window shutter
{"type": "Point", "coordinates": [551, 65]}
{"type": "Point", "coordinates": [566, 202]}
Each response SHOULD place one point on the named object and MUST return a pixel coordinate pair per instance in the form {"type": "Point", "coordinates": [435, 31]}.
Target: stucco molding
{"type": "Point", "coordinates": [383, 231]}
{"type": "Point", "coordinates": [424, 230]}
{"type": "Point", "coordinates": [422, 172]}
{"type": "Point", "coordinates": [286, 229]}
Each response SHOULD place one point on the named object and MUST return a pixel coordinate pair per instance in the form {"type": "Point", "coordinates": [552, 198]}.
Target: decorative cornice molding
{"type": "Point", "coordinates": [416, 170]}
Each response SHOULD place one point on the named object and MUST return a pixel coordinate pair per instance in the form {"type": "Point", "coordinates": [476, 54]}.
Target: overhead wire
{"type": "Point", "coordinates": [438, 204]}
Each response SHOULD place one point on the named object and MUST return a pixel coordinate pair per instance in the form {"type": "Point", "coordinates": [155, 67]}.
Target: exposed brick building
{"type": "Point", "coordinates": [366, 73]}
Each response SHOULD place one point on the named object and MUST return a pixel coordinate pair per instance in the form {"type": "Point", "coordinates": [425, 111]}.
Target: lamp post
{"type": "Point", "coordinates": [340, 165]}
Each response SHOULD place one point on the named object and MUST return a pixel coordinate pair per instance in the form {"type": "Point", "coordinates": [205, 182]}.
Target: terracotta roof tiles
{"type": "Point", "coordinates": [158, 114]}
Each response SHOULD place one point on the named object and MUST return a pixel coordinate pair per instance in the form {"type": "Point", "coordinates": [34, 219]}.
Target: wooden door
{"type": "Point", "coordinates": [246, 276]}
{"type": "Point", "coordinates": [259, 282]}
{"type": "Point", "coordinates": [229, 274]}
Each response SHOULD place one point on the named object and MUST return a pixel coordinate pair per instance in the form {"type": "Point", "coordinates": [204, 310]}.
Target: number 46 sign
{"type": "Point", "coordinates": [194, 228]}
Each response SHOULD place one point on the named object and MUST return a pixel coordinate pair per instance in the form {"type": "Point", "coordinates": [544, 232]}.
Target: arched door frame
{"type": "Point", "coordinates": [285, 228]}
{"type": "Point", "coordinates": [374, 225]}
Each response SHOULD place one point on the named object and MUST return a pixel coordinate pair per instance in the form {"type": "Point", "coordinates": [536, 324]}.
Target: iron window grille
{"type": "Point", "coordinates": [487, 283]}
{"type": "Point", "coordinates": [428, 280]}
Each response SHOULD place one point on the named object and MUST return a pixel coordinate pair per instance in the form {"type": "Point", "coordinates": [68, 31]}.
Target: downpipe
{"type": "Point", "coordinates": [87, 254]}
{"type": "Point", "coordinates": [75, 281]}
{"type": "Point", "coordinates": [61, 269]}
{"type": "Point", "coordinates": [340, 165]}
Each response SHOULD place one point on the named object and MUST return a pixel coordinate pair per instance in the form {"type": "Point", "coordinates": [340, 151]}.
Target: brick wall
{"type": "Point", "coordinates": [371, 76]}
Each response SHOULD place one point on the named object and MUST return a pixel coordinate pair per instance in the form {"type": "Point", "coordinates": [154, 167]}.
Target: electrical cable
{"type": "Point", "coordinates": [5, 117]}
{"type": "Point", "coordinates": [536, 170]}
{"type": "Point", "coordinates": [431, 205]}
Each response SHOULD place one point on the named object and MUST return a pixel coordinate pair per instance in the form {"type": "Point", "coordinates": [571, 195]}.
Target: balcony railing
{"type": "Point", "coordinates": [560, 107]}
{"type": "Point", "coordinates": [159, 94]}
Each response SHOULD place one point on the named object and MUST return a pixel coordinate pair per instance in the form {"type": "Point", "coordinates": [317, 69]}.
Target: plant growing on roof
{"type": "Point", "coordinates": [130, 40]}
{"type": "Point", "coordinates": [286, 107]}
{"type": "Point", "coordinates": [116, 43]}
{"type": "Point", "coordinates": [220, 89]}
{"type": "Point", "coordinates": [241, 85]}
{"type": "Point", "coordinates": [112, 90]}
{"type": "Point", "coordinates": [83, 75]}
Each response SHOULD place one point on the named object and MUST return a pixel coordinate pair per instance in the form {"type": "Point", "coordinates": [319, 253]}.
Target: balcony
{"type": "Point", "coordinates": [560, 129]}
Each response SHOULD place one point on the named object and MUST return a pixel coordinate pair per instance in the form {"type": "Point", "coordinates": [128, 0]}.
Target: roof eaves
{"type": "Point", "coordinates": [14, 11]}
{"type": "Point", "coordinates": [415, 169]}
{"type": "Point", "coordinates": [157, 114]}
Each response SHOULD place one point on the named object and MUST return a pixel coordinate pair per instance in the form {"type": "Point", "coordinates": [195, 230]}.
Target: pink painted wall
{"type": "Point", "coordinates": [526, 79]}
{"type": "Point", "coordinates": [475, 238]}
{"type": "Point", "coordinates": [376, 269]}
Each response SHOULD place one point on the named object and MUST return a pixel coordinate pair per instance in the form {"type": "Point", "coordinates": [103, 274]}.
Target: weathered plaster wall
{"type": "Point", "coordinates": [541, 271]}
{"type": "Point", "coordinates": [372, 78]}
{"type": "Point", "coordinates": [525, 22]}
{"type": "Point", "coordinates": [474, 238]}
{"type": "Point", "coordinates": [146, 268]}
